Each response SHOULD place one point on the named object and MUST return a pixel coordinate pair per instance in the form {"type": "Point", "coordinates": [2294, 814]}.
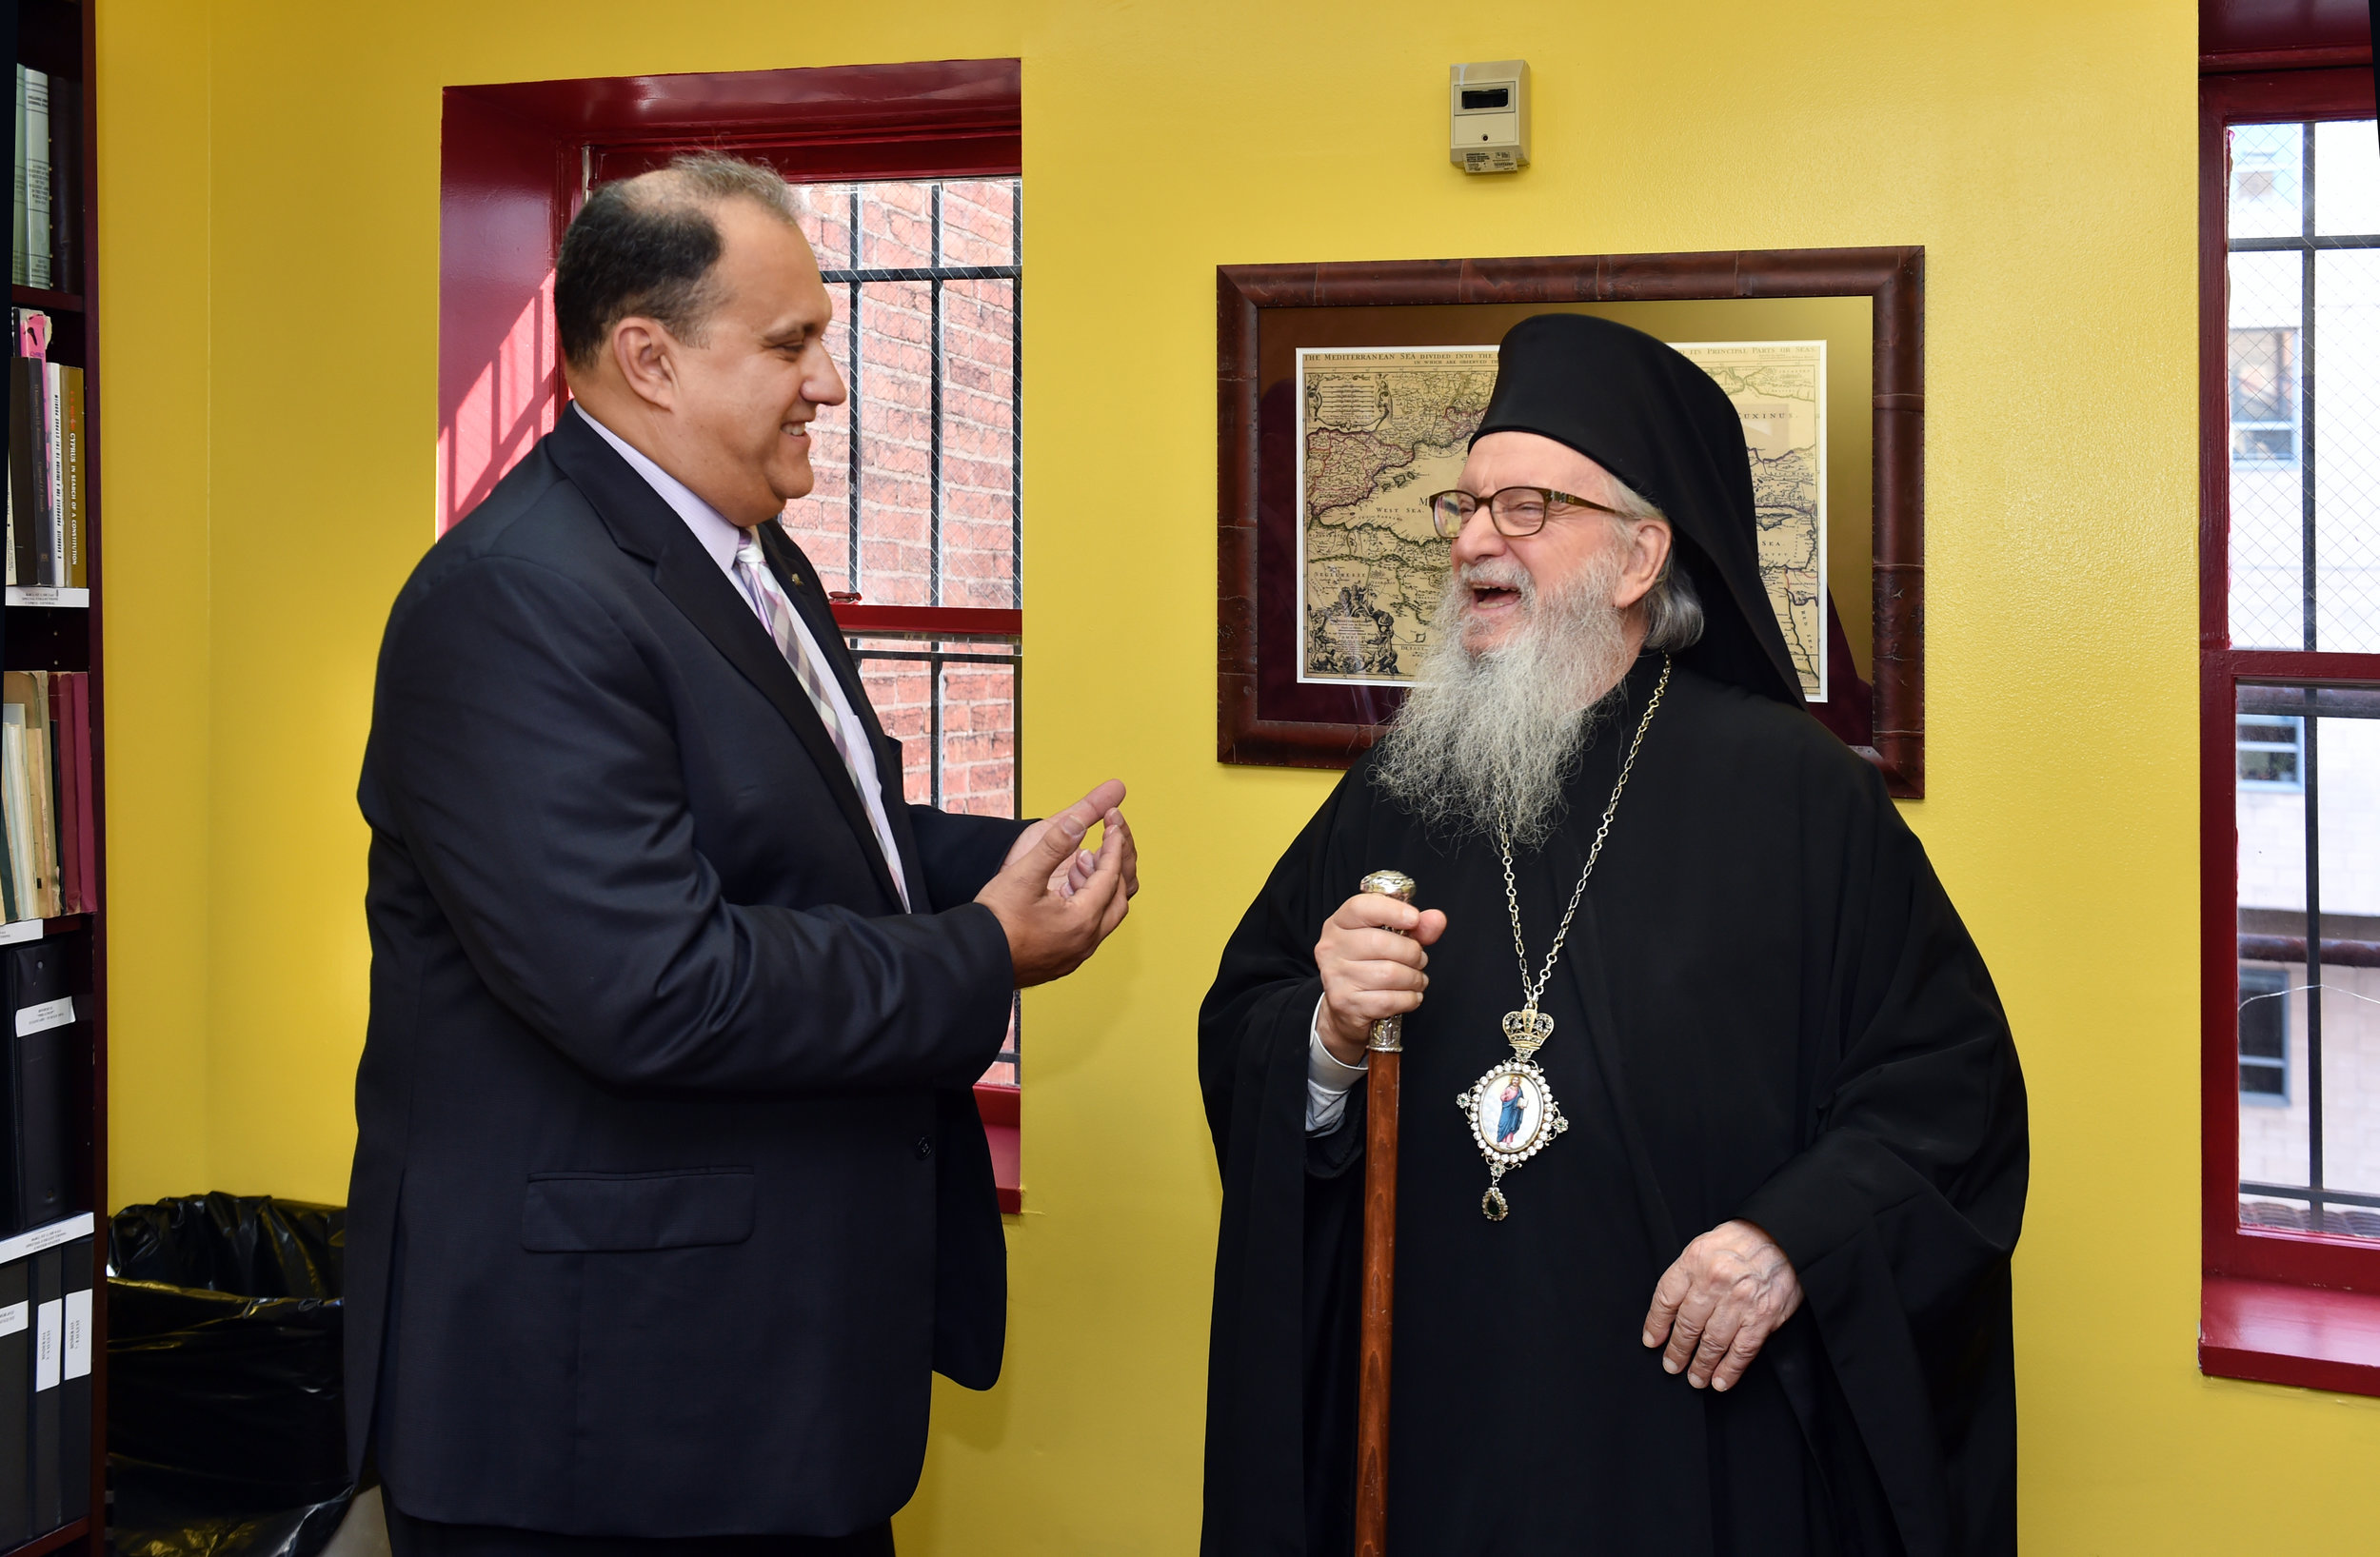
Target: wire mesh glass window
{"type": "Point", "coordinates": [2305, 385]}
{"type": "Point", "coordinates": [2310, 956]}
{"type": "Point", "coordinates": [916, 522]}
{"type": "Point", "coordinates": [2303, 326]}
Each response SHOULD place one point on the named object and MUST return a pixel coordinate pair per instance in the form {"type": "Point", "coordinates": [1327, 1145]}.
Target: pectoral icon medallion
{"type": "Point", "coordinates": [1511, 1109]}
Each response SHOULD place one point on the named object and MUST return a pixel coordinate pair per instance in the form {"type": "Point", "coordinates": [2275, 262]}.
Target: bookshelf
{"type": "Point", "coordinates": [51, 628]}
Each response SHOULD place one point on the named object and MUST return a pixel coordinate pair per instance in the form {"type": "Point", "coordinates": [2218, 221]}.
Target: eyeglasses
{"type": "Point", "coordinates": [1515, 511]}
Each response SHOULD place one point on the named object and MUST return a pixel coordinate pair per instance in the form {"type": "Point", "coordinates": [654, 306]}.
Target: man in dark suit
{"type": "Point", "coordinates": [670, 1189]}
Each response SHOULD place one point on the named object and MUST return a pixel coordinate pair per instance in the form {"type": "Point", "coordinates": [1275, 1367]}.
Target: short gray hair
{"type": "Point", "coordinates": [1672, 612]}
{"type": "Point", "coordinates": [647, 245]}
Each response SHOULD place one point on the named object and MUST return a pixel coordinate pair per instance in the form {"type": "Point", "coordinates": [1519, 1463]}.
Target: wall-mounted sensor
{"type": "Point", "coordinates": [1491, 113]}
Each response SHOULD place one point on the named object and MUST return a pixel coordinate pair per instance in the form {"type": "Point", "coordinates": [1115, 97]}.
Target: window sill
{"type": "Point", "coordinates": [999, 1107]}
{"type": "Point", "coordinates": [2276, 1333]}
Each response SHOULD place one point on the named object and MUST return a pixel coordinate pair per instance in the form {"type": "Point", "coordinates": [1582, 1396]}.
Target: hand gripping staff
{"type": "Point", "coordinates": [1380, 1258]}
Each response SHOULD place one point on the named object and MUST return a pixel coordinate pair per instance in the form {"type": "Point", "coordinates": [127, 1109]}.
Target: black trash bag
{"type": "Point", "coordinates": [226, 1426]}
{"type": "Point", "coordinates": [253, 1245]}
{"type": "Point", "coordinates": [292, 1532]}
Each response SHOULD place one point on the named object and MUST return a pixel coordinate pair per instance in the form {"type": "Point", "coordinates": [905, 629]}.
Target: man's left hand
{"type": "Point", "coordinates": [1715, 1308]}
{"type": "Point", "coordinates": [1079, 869]}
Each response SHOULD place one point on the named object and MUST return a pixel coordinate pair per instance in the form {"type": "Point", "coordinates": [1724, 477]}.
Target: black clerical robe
{"type": "Point", "coordinates": [1768, 1008]}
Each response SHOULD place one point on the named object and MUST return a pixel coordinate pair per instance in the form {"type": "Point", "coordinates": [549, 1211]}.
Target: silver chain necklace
{"type": "Point", "coordinates": [1512, 1109]}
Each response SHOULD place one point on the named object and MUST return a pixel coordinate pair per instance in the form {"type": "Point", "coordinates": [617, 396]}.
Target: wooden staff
{"type": "Point", "coordinates": [1380, 1259]}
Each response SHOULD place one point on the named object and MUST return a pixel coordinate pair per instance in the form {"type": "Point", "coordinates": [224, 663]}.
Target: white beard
{"type": "Point", "coordinates": [1488, 741]}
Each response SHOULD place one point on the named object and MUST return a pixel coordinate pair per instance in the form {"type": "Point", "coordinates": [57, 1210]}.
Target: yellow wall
{"type": "Point", "coordinates": [270, 232]}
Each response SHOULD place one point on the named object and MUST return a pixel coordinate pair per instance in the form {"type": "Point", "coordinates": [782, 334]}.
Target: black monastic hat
{"type": "Point", "coordinates": [1659, 424]}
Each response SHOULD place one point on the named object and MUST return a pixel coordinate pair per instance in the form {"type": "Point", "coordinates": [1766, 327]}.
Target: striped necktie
{"type": "Point", "coordinates": [776, 613]}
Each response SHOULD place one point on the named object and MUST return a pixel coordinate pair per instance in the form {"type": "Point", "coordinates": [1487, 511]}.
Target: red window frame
{"type": "Point", "coordinates": [514, 159]}
{"type": "Point", "coordinates": [2282, 1307]}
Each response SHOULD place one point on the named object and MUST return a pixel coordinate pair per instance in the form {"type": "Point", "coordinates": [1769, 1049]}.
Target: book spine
{"type": "Point", "coordinates": [36, 156]}
{"type": "Point", "coordinates": [48, 1322]}
{"type": "Point", "coordinates": [87, 793]}
{"type": "Point", "coordinates": [37, 476]}
{"type": "Point", "coordinates": [66, 184]}
{"type": "Point", "coordinates": [55, 835]}
{"type": "Point", "coordinates": [70, 467]}
{"type": "Point", "coordinates": [69, 783]}
{"type": "Point", "coordinates": [9, 905]}
{"type": "Point", "coordinates": [16, 226]}
{"type": "Point", "coordinates": [41, 741]}
{"type": "Point", "coordinates": [23, 375]}
{"type": "Point", "coordinates": [17, 802]}
{"type": "Point", "coordinates": [16, 325]}
{"type": "Point", "coordinates": [44, 1070]}
{"type": "Point", "coordinates": [16, 1400]}
{"type": "Point", "coordinates": [74, 1401]}
{"type": "Point", "coordinates": [21, 820]}
{"type": "Point", "coordinates": [54, 394]}
{"type": "Point", "coordinates": [27, 706]}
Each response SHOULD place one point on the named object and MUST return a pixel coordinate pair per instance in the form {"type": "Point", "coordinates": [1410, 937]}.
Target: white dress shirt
{"type": "Point", "coordinates": [1328, 1082]}
{"type": "Point", "coordinates": [720, 539]}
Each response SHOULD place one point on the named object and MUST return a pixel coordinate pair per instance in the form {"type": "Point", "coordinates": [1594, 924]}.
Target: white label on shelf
{"type": "Point", "coordinates": [14, 1318]}
{"type": "Point", "coordinates": [46, 1320]}
{"type": "Point", "coordinates": [41, 1018]}
{"type": "Point", "coordinates": [64, 1230]}
{"type": "Point", "coordinates": [21, 929]}
{"type": "Point", "coordinates": [44, 595]}
{"type": "Point", "coordinates": [77, 1361]}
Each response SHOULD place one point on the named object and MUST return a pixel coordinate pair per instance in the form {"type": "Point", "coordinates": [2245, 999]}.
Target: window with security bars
{"type": "Point", "coordinates": [2305, 376]}
{"type": "Point", "coordinates": [916, 522]}
{"type": "Point", "coordinates": [2309, 916]}
{"type": "Point", "coordinates": [2271, 751]}
{"type": "Point", "coordinates": [2264, 1035]}
{"type": "Point", "coordinates": [2297, 580]}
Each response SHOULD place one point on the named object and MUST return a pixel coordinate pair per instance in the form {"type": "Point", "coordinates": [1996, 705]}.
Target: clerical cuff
{"type": "Point", "coordinates": [1328, 1082]}
{"type": "Point", "coordinates": [1323, 1067]}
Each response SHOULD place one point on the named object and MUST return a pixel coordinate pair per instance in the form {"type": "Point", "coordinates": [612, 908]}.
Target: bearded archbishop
{"type": "Point", "coordinates": [1713, 1146]}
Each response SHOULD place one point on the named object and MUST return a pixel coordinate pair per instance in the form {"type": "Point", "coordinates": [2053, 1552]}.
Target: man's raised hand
{"type": "Point", "coordinates": [1371, 960]}
{"type": "Point", "coordinates": [1056, 900]}
{"type": "Point", "coordinates": [1719, 1302]}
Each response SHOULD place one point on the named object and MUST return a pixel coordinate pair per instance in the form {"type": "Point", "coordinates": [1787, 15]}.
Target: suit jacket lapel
{"type": "Point", "coordinates": [646, 526]}
{"type": "Point", "coordinates": [802, 586]}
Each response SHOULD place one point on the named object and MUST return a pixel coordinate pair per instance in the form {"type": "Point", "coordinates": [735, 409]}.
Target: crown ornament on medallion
{"type": "Point", "coordinates": [1527, 1030]}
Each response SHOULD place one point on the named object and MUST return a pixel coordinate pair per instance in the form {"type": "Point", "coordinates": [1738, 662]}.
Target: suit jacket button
{"type": "Point", "coordinates": [925, 1147]}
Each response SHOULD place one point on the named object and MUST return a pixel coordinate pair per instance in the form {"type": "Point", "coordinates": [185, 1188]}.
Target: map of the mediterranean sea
{"type": "Point", "coordinates": [1780, 390]}
{"type": "Point", "coordinates": [1381, 430]}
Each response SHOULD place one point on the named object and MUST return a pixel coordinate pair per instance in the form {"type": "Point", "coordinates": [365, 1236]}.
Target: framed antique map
{"type": "Point", "coordinates": [1349, 393]}
{"type": "Point", "coordinates": [1380, 431]}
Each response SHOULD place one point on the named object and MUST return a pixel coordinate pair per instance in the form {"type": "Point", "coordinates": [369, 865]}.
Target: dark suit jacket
{"type": "Point", "coordinates": [670, 1190]}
